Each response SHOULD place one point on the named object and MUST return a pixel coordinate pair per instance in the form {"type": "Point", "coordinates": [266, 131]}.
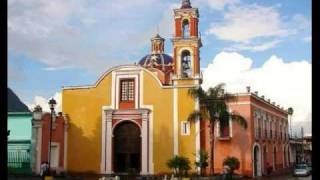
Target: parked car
{"type": "Point", "coordinates": [310, 168]}
{"type": "Point", "coordinates": [301, 170]}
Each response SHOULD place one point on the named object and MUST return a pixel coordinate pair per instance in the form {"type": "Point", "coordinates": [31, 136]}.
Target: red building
{"type": "Point", "coordinates": [41, 132]}
{"type": "Point", "coordinates": [264, 143]}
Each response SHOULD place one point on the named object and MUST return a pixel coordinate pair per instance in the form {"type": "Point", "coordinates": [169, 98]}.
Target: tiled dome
{"type": "Point", "coordinates": [156, 59]}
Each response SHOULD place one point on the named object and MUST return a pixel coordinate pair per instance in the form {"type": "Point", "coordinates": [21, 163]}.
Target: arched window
{"type": "Point", "coordinates": [186, 63]}
{"type": "Point", "coordinates": [185, 28]}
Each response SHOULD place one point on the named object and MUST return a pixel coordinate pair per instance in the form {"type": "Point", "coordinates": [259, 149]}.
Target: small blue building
{"type": "Point", "coordinates": [19, 142]}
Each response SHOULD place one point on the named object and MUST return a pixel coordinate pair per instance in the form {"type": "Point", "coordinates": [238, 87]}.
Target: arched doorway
{"type": "Point", "coordinates": [126, 147]}
{"type": "Point", "coordinates": [256, 161]}
{"type": "Point", "coordinates": [289, 159]}
{"type": "Point", "coordinates": [265, 162]}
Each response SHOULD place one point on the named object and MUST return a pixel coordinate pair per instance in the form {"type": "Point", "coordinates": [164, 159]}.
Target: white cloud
{"type": "Point", "coordinates": [91, 35]}
{"type": "Point", "coordinates": [55, 68]}
{"type": "Point", "coordinates": [246, 22]}
{"type": "Point", "coordinates": [253, 27]}
{"type": "Point", "coordinates": [307, 39]}
{"type": "Point", "coordinates": [254, 47]}
{"type": "Point", "coordinates": [220, 4]}
{"type": "Point", "coordinates": [288, 84]}
{"type": "Point", "coordinates": [43, 102]}
{"type": "Point", "coordinates": [301, 22]}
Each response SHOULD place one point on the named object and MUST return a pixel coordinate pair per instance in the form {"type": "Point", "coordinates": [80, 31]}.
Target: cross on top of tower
{"type": "Point", "coordinates": [186, 4]}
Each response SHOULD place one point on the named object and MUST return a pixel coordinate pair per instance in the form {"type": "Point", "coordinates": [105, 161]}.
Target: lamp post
{"type": "Point", "coordinates": [290, 112]}
{"type": "Point", "coordinates": [52, 104]}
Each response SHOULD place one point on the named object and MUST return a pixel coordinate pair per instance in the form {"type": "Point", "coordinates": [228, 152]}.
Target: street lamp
{"type": "Point", "coordinates": [37, 113]}
{"type": "Point", "coordinates": [52, 104]}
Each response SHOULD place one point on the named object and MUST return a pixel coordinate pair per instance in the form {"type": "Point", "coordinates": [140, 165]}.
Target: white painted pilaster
{"type": "Point", "coordinates": [197, 126]}
{"type": "Point", "coordinates": [65, 150]}
{"type": "Point", "coordinates": [175, 122]}
{"type": "Point", "coordinates": [108, 143]}
{"type": "Point", "coordinates": [103, 142]}
{"type": "Point", "coordinates": [39, 144]}
{"type": "Point", "coordinates": [144, 144]}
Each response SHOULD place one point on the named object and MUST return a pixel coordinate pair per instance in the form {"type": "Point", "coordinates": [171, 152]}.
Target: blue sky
{"type": "Point", "coordinates": [63, 43]}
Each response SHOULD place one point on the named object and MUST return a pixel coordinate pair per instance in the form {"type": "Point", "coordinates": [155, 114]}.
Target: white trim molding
{"type": "Point", "coordinates": [257, 106]}
{"type": "Point", "coordinates": [259, 172]}
{"type": "Point", "coordinates": [141, 111]}
{"type": "Point", "coordinates": [197, 132]}
{"type": "Point", "coordinates": [150, 135]}
{"type": "Point", "coordinates": [39, 149]}
{"type": "Point", "coordinates": [185, 128]}
{"type": "Point", "coordinates": [175, 122]}
{"type": "Point", "coordinates": [122, 116]}
{"type": "Point", "coordinates": [65, 149]}
{"type": "Point", "coordinates": [131, 75]}
{"type": "Point", "coordinates": [122, 68]}
{"type": "Point", "coordinates": [103, 140]}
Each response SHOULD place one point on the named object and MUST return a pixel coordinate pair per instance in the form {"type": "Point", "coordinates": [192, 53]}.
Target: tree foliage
{"type": "Point", "coordinates": [202, 162]}
{"type": "Point", "coordinates": [213, 108]}
{"type": "Point", "coordinates": [232, 162]}
{"type": "Point", "coordinates": [179, 164]}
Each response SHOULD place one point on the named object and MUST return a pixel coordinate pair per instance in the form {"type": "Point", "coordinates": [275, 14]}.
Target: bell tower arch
{"type": "Point", "coordinates": [186, 44]}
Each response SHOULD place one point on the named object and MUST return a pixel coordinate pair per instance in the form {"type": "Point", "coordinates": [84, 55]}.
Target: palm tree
{"type": "Point", "coordinates": [213, 108]}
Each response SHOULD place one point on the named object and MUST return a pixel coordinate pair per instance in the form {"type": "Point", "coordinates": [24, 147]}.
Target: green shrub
{"type": "Point", "coordinates": [180, 165]}
{"type": "Point", "coordinates": [232, 162]}
{"type": "Point", "coordinates": [202, 162]}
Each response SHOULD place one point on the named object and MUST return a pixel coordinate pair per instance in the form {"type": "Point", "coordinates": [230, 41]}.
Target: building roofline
{"type": "Point", "coordinates": [20, 113]}
{"type": "Point", "coordinates": [19, 141]}
{"type": "Point", "coordinates": [137, 66]}
{"type": "Point", "coordinates": [100, 78]}
{"type": "Point", "coordinates": [260, 99]}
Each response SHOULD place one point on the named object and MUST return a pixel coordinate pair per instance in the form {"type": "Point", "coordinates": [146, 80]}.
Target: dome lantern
{"type": "Point", "coordinates": [186, 4]}
{"type": "Point", "coordinates": [157, 45]}
{"type": "Point", "coordinates": [157, 58]}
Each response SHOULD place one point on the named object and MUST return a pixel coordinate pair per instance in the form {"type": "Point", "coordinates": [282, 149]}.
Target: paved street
{"type": "Point", "coordinates": [284, 177]}
{"type": "Point", "coordinates": [275, 177]}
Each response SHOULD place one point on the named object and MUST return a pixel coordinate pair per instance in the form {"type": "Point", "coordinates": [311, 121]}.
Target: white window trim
{"type": "Point", "coordinates": [119, 77]}
{"type": "Point", "coordinates": [183, 133]}
{"type": "Point", "coordinates": [259, 165]}
{"type": "Point", "coordinates": [230, 127]}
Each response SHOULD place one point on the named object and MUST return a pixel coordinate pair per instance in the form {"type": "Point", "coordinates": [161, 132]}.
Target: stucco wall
{"type": "Point", "coordinates": [162, 102]}
{"type": "Point", "coordinates": [84, 107]}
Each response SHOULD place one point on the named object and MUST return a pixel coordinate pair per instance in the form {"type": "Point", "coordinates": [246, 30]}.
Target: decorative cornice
{"type": "Point", "coordinates": [255, 96]}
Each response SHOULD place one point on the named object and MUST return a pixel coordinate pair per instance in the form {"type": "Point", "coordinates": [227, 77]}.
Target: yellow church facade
{"type": "Point", "coordinates": [135, 116]}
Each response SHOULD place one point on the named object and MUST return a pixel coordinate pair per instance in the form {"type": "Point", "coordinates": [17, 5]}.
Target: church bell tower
{"type": "Point", "coordinates": [186, 45]}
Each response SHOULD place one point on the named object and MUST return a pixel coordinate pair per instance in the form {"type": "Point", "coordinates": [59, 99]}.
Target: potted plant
{"type": "Point", "coordinates": [202, 161]}
{"type": "Point", "coordinates": [233, 163]}
{"type": "Point", "coordinates": [180, 165]}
